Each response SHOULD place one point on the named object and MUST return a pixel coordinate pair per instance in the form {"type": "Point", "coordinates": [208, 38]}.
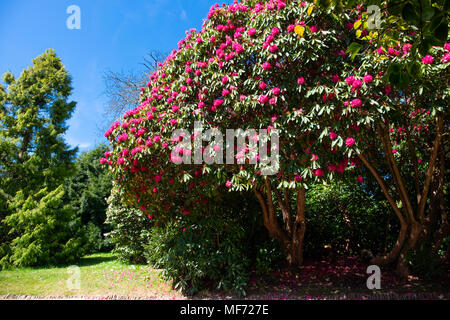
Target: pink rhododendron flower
{"type": "Point", "coordinates": [276, 91]}
{"type": "Point", "coordinates": [273, 48]}
{"type": "Point", "coordinates": [356, 83]}
{"type": "Point", "coordinates": [356, 103]}
{"type": "Point", "coordinates": [333, 135]}
{"type": "Point", "coordinates": [427, 59]}
{"type": "Point", "coordinates": [349, 80]}
{"type": "Point", "coordinates": [446, 57]}
{"type": "Point", "coordinates": [121, 161]}
{"type": "Point", "coordinates": [228, 184]}
{"type": "Point", "coordinates": [266, 66]}
{"type": "Point", "coordinates": [360, 179]}
{"type": "Point", "coordinates": [319, 172]}
{"type": "Point", "coordinates": [350, 142]}
{"type": "Point", "coordinates": [301, 81]}
{"type": "Point", "coordinates": [275, 31]}
{"type": "Point", "coordinates": [157, 178]}
{"type": "Point", "coordinates": [218, 103]}
{"type": "Point", "coordinates": [368, 78]}
{"type": "Point", "coordinates": [263, 98]}
{"type": "Point", "coordinates": [103, 160]}
{"type": "Point", "coordinates": [262, 85]}
{"type": "Point", "coordinates": [406, 47]}
{"type": "Point", "coordinates": [335, 78]}
{"type": "Point", "coordinates": [251, 32]}
{"type": "Point", "coordinates": [314, 29]}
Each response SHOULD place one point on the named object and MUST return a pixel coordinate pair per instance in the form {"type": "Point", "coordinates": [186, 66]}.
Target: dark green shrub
{"type": "Point", "coordinates": [130, 228]}
{"type": "Point", "coordinates": [46, 231]}
{"type": "Point", "coordinates": [345, 219]}
{"type": "Point", "coordinates": [426, 264]}
{"type": "Point", "coordinates": [207, 255]}
{"type": "Point", "coordinates": [267, 255]}
{"type": "Point", "coordinates": [87, 192]}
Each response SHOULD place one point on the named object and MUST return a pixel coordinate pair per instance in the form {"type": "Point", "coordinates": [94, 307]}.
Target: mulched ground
{"type": "Point", "coordinates": [342, 279]}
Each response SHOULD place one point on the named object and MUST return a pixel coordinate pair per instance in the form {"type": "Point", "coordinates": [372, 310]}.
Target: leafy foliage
{"type": "Point", "coordinates": [87, 192]}
{"type": "Point", "coordinates": [48, 231]}
{"type": "Point", "coordinates": [338, 222]}
{"type": "Point", "coordinates": [36, 227]}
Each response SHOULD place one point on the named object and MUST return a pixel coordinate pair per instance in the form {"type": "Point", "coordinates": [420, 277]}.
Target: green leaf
{"type": "Point", "coordinates": [424, 47]}
{"type": "Point", "coordinates": [394, 7]}
{"type": "Point", "coordinates": [394, 79]}
{"type": "Point", "coordinates": [404, 80]}
{"type": "Point", "coordinates": [427, 10]}
{"type": "Point", "coordinates": [395, 68]}
{"type": "Point", "coordinates": [409, 14]}
{"type": "Point", "coordinates": [435, 22]}
{"type": "Point", "coordinates": [441, 31]}
{"type": "Point", "coordinates": [414, 69]}
{"type": "Point", "coordinates": [354, 48]}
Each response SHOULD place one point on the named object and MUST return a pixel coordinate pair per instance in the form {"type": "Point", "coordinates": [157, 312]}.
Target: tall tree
{"type": "Point", "coordinates": [36, 227]}
{"type": "Point", "coordinates": [33, 114]}
{"type": "Point", "coordinates": [123, 88]}
{"type": "Point", "coordinates": [87, 192]}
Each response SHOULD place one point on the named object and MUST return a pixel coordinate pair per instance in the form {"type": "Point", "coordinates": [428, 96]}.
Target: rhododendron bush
{"type": "Point", "coordinates": [282, 66]}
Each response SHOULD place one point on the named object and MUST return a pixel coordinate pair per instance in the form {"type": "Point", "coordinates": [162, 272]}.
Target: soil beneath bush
{"type": "Point", "coordinates": [343, 279]}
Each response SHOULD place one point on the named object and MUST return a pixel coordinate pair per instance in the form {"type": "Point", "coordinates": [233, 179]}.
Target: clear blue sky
{"type": "Point", "coordinates": [115, 35]}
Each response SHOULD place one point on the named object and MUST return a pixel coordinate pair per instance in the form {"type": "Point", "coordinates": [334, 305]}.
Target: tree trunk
{"type": "Point", "coordinates": [413, 221]}
{"type": "Point", "coordinates": [289, 235]}
{"type": "Point", "coordinates": [299, 229]}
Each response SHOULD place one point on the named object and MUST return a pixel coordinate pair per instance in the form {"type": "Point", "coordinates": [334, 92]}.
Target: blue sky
{"type": "Point", "coordinates": [115, 35]}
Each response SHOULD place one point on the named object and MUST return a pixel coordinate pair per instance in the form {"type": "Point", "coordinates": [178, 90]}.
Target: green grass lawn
{"type": "Point", "coordinates": [101, 275]}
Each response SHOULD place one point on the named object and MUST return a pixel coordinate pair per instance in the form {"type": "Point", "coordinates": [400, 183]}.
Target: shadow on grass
{"type": "Point", "coordinates": [95, 259]}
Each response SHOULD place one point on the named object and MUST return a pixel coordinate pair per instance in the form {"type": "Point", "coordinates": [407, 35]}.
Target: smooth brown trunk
{"type": "Point", "coordinates": [290, 235]}
{"type": "Point", "coordinates": [299, 229]}
{"type": "Point", "coordinates": [393, 255]}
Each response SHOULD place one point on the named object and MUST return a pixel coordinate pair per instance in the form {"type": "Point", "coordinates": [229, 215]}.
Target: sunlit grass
{"type": "Point", "coordinates": [101, 275]}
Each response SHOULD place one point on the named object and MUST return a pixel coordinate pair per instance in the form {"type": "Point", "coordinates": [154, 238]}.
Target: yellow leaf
{"type": "Point", "coordinates": [357, 24]}
{"type": "Point", "coordinates": [310, 10]}
{"type": "Point", "coordinates": [358, 33]}
{"type": "Point", "coordinates": [299, 30]}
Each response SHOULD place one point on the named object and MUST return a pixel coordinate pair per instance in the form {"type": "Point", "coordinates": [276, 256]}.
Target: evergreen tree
{"type": "Point", "coordinates": [87, 192]}
{"type": "Point", "coordinates": [36, 228]}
